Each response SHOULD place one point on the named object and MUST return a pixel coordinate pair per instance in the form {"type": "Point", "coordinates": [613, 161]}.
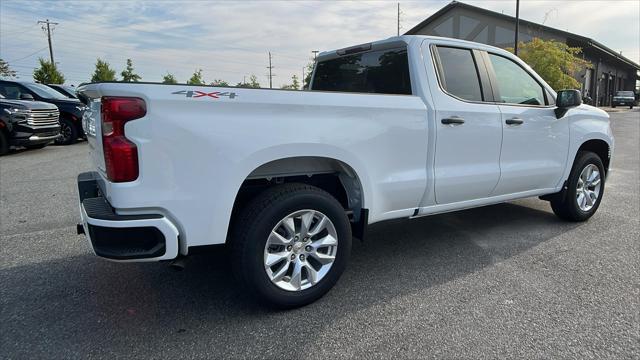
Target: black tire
{"type": "Point", "coordinates": [4, 142]}
{"type": "Point", "coordinates": [39, 146]}
{"type": "Point", "coordinates": [255, 222]}
{"type": "Point", "coordinates": [613, 106]}
{"type": "Point", "coordinates": [565, 205]}
{"type": "Point", "coordinates": [68, 131]}
{"type": "Point", "coordinates": [631, 107]}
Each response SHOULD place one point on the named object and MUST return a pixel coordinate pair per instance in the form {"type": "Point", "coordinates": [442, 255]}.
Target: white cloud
{"type": "Point", "coordinates": [230, 39]}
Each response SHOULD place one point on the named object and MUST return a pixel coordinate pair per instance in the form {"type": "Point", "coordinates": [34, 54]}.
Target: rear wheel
{"type": "Point", "coordinates": [585, 189]}
{"type": "Point", "coordinates": [68, 131]}
{"type": "Point", "coordinates": [290, 245]}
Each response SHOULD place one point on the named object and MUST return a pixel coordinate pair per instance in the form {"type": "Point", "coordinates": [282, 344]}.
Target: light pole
{"type": "Point", "coordinates": [515, 47]}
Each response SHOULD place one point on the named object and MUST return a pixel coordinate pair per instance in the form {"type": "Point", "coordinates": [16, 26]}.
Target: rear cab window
{"type": "Point", "coordinates": [458, 73]}
{"type": "Point", "coordinates": [380, 72]}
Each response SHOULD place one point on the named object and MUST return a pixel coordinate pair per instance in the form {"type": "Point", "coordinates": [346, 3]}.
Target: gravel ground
{"type": "Point", "coordinates": [505, 281]}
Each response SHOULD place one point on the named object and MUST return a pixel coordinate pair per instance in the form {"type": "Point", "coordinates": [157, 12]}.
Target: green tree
{"type": "Point", "coordinates": [219, 82]}
{"type": "Point", "coordinates": [47, 73]}
{"type": "Point", "coordinates": [307, 76]}
{"type": "Point", "coordinates": [5, 70]}
{"type": "Point", "coordinates": [253, 83]}
{"type": "Point", "coordinates": [169, 79]}
{"type": "Point", "coordinates": [128, 75]}
{"type": "Point", "coordinates": [295, 84]}
{"type": "Point", "coordinates": [556, 62]}
{"type": "Point", "coordinates": [103, 72]}
{"type": "Point", "coordinates": [196, 78]}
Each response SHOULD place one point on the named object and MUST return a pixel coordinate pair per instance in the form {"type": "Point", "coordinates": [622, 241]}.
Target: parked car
{"type": "Point", "coordinates": [71, 110]}
{"type": "Point", "coordinates": [400, 128]}
{"type": "Point", "coordinates": [624, 98]}
{"type": "Point", "coordinates": [65, 90]}
{"type": "Point", "coordinates": [32, 124]}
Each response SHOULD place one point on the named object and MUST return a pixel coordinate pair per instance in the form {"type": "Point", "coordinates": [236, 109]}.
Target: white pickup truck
{"type": "Point", "coordinates": [399, 128]}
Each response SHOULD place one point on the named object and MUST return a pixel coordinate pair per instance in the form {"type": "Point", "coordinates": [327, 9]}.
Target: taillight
{"type": "Point", "coordinates": [120, 154]}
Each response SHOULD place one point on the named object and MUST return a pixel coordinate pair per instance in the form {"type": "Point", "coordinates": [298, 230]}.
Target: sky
{"type": "Point", "coordinates": [230, 40]}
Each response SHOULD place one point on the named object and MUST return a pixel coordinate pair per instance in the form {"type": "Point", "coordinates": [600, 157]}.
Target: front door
{"type": "Point", "coordinates": [535, 143]}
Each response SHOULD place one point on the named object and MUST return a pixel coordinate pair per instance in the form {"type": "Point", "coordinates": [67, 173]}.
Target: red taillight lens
{"type": "Point", "coordinates": [120, 154]}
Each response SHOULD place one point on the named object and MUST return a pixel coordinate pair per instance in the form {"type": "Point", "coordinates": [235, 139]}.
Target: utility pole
{"type": "Point", "coordinates": [398, 19]}
{"type": "Point", "coordinates": [515, 47]}
{"type": "Point", "coordinates": [270, 67]}
{"type": "Point", "coordinates": [49, 23]}
{"type": "Point", "coordinates": [315, 54]}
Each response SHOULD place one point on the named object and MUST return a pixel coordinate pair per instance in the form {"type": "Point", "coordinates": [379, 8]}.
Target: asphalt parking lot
{"type": "Point", "coordinates": [508, 280]}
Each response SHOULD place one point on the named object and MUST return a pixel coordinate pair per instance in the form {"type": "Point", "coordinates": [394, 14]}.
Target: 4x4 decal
{"type": "Point", "coordinates": [198, 94]}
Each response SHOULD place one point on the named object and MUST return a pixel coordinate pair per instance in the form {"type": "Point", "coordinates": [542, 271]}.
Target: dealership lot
{"type": "Point", "coordinates": [508, 280]}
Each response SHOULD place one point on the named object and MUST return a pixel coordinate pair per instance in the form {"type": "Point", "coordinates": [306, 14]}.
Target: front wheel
{"type": "Point", "coordinates": [585, 189]}
{"type": "Point", "coordinates": [290, 245]}
{"type": "Point", "coordinates": [68, 131]}
{"type": "Point", "coordinates": [4, 142]}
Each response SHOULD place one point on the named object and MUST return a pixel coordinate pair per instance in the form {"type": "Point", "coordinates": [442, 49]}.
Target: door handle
{"type": "Point", "coordinates": [454, 120]}
{"type": "Point", "coordinates": [514, 121]}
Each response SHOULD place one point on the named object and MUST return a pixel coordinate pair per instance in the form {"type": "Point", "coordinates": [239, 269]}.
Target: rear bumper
{"type": "Point", "coordinates": [142, 237]}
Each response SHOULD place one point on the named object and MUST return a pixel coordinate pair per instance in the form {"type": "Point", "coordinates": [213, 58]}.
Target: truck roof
{"type": "Point", "coordinates": [406, 39]}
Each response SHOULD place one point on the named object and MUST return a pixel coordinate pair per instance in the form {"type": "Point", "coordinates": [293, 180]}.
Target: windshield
{"type": "Point", "coordinates": [71, 90]}
{"type": "Point", "coordinates": [44, 91]}
{"type": "Point", "coordinates": [625, 93]}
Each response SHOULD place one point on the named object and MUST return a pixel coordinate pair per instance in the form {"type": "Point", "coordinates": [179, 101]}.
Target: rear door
{"type": "Point", "coordinates": [535, 143]}
{"type": "Point", "coordinates": [468, 126]}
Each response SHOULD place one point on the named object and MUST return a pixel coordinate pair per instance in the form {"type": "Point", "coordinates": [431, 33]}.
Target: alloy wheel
{"type": "Point", "coordinates": [588, 187]}
{"type": "Point", "coordinates": [300, 250]}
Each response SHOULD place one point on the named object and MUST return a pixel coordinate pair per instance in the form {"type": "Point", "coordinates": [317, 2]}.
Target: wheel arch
{"type": "Point", "coordinates": [331, 174]}
{"type": "Point", "coordinates": [320, 171]}
{"type": "Point", "coordinates": [600, 148]}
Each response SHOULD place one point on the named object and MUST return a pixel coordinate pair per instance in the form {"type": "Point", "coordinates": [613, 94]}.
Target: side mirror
{"type": "Point", "coordinates": [566, 100]}
{"type": "Point", "coordinates": [25, 96]}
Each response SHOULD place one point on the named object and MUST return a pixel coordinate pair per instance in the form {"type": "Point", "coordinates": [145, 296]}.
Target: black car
{"type": "Point", "coordinates": [66, 90]}
{"type": "Point", "coordinates": [32, 124]}
{"type": "Point", "coordinates": [624, 98]}
{"type": "Point", "coordinates": [71, 110]}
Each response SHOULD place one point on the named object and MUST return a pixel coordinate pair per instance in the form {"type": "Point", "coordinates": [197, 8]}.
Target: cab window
{"type": "Point", "coordinates": [458, 73]}
{"type": "Point", "coordinates": [515, 85]}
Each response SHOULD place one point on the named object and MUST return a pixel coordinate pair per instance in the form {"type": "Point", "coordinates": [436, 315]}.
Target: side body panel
{"type": "Point", "coordinates": [196, 152]}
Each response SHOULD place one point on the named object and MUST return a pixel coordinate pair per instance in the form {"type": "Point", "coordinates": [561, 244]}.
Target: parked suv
{"type": "Point", "coordinates": [71, 110]}
{"type": "Point", "coordinates": [65, 90]}
{"type": "Point", "coordinates": [32, 124]}
{"type": "Point", "coordinates": [624, 98]}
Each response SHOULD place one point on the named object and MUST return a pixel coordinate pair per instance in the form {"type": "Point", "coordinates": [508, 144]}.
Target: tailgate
{"type": "Point", "coordinates": [92, 127]}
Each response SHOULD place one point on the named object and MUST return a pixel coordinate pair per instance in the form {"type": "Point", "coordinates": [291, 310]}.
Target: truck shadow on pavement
{"type": "Point", "coordinates": [82, 303]}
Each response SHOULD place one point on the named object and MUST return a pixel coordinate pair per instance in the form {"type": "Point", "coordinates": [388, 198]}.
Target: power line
{"type": "Point", "coordinates": [20, 31]}
{"type": "Point", "coordinates": [24, 57]}
{"type": "Point", "coordinates": [49, 23]}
